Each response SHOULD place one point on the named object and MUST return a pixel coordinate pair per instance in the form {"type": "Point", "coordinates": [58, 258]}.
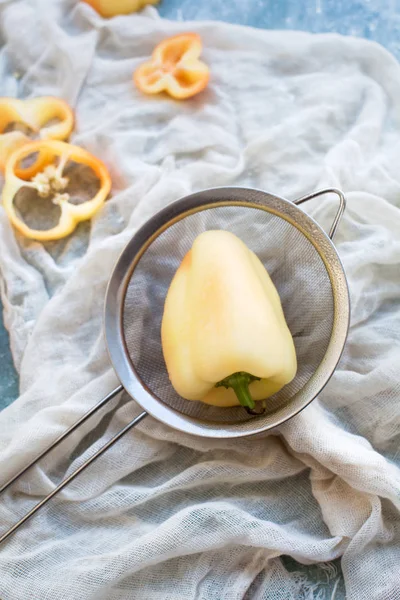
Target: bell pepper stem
{"type": "Point", "coordinates": [239, 382]}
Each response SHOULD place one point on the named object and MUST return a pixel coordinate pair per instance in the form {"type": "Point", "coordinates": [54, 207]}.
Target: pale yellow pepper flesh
{"type": "Point", "coordinates": [175, 68]}
{"type": "Point", "coordinates": [45, 176]}
{"type": "Point", "coordinates": [46, 117]}
{"type": "Point", "coordinates": [222, 316]}
{"type": "Point", "coordinates": [112, 8]}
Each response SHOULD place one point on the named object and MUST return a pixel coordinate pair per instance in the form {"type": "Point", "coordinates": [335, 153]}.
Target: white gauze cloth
{"type": "Point", "coordinates": [164, 515]}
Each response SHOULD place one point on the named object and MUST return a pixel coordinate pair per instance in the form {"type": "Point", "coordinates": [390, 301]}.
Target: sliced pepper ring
{"type": "Point", "coordinates": [32, 114]}
{"type": "Point", "coordinates": [47, 178]}
{"type": "Point", "coordinates": [174, 68]}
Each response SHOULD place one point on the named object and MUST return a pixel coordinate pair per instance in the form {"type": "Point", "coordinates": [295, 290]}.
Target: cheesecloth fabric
{"type": "Point", "coordinates": [165, 515]}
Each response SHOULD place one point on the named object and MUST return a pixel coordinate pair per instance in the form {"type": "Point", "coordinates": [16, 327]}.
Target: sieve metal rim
{"type": "Point", "coordinates": [204, 200]}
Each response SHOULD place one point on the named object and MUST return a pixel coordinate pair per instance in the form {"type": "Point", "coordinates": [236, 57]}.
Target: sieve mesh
{"type": "Point", "coordinates": [295, 267]}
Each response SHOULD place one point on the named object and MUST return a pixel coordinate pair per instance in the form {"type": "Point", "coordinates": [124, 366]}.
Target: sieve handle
{"type": "Point", "coordinates": [77, 471]}
{"type": "Point", "coordinates": [342, 205]}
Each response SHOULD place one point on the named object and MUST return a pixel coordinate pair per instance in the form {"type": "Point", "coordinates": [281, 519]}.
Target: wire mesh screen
{"type": "Point", "coordinates": [295, 267]}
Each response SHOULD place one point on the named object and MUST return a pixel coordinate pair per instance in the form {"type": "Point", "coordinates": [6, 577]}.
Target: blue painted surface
{"type": "Point", "coordinates": [8, 378]}
{"type": "Point", "coordinates": [378, 20]}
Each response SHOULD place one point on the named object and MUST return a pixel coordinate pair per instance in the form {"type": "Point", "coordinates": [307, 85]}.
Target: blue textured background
{"type": "Point", "coordinates": [8, 378]}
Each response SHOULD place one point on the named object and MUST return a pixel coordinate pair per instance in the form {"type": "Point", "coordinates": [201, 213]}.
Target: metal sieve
{"type": "Point", "coordinates": [305, 268]}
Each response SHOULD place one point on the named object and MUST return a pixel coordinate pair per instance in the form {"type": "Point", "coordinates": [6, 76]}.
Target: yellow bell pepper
{"type": "Point", "coordinates": [112, 8]}
{"type": "Point", "coordinates": [46, 176]}
{"type": "Point", "coordinates": [46, 118]}
{"type": "Point", "coordinates": [174, 68]}
{"type": "Point", "coordinates": [224, 335]}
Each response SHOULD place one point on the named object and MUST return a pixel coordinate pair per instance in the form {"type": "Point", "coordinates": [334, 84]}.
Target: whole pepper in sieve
{"type": "Point", "coordinates": [224, 335]}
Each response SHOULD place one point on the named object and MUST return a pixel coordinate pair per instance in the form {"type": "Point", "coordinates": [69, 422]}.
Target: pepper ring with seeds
{"type": "Point", "coordinates": [46, 176]}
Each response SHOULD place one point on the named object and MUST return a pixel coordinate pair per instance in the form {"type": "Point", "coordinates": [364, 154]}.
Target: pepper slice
{"type": "Point", "coordinates": [46, 176]}
{"type": "Point", "coordinates": [110, 8]}
{"type": "Point", "coordinates": [174, 68]}
{"type": "Point", "coordinates": [224, 335]}
{"type": "Point", "coordinates": [31, 117]}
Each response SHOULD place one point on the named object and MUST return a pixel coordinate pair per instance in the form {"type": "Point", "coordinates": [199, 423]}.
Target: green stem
{"type": "Point", "coordinates": [239, 382]}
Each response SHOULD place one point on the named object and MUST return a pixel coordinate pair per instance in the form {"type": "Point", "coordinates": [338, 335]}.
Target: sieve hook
{"type": "Point", "coordinates": [340, 211]}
